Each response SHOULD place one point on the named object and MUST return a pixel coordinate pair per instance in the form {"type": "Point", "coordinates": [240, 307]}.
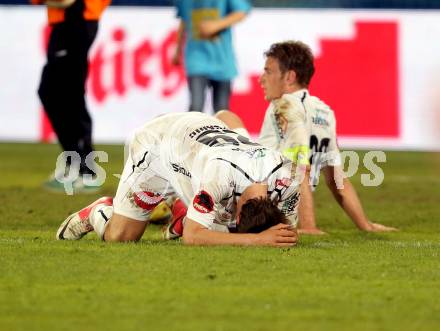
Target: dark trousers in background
{"type": "Point", "coordinates": [62, 86]}
{"type": "Point", "coordinates": [221, 93]}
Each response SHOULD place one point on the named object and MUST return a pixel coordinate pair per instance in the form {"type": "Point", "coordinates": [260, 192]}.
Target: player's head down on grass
{"type": "Point", "coordinates": [259, 214]}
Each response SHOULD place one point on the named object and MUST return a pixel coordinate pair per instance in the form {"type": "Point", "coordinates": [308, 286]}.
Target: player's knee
{"type": "Point", "coordinates": [114, 234]}
{"type": "Point", "coordinates": [222, 114]}
{"type": "Point", "coordinates": [119, 237]}
{"type": "Point", "coordinates": [230, 119]}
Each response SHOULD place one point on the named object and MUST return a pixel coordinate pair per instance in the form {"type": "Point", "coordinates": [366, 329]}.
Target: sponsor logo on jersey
{"type": "Point", "coordinates": [281, 186]}
{"type": "Point", "coordinates": [318, 120]}
{"type": "Point", "coordinates": [203, 202]}
{"type": "Point", "coordinates": [181, 170]}
{"type": "Point", "coordinates": [147, 200]}
{"type": "Point", "coordinates": [283, 182]}
{"type": "Point", "coordinates": [290, 204]}
{"type": "Point", "coordinates": [257, 153]}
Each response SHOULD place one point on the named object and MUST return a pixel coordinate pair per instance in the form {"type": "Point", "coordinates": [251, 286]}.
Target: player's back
{"type": "Point", "coordinates": [186, 142]}
{"type": "Point", "coordinates": [208, 150]}
{"type": "Point", "coordinates": [169, 133]}
{"type": "Point", "coordinates": [197, 152]}
{"type": "Point", "coordinates": [321, 125]}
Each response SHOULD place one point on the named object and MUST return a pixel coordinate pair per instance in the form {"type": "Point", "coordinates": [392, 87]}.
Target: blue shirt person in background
{"type": "Point", "coordinates": [205, 33]}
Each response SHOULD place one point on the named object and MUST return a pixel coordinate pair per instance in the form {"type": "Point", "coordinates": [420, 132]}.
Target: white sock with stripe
{"type": "Point", "coordinates": [101, 214]}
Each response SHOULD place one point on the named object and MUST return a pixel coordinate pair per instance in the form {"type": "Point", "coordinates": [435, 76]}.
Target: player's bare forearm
{"type": "Point", "coordinates": [349, 201]}
{"type": "Point", "coordinates": [196, 234]}
{"type": "Point", "coordinates": [306, 212]}
{"type": "Point", "coordinates": [347, 198]}
{"type": "Point", "coordinates": [280, 236]}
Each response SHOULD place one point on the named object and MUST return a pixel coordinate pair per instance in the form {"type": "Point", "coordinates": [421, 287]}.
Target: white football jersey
{"type": "Point", "coordinates": [307, 114]}
{"type": "Point", "coordinates": [209, 166]}
{"type": "Point", "coordinates": [290, 106]}
{"type": "Point", "coordinates": [321, 125]}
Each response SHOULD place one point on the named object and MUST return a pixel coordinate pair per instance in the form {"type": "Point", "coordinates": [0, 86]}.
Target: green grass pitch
{"type": "Point", "coordinates": [346, 280]}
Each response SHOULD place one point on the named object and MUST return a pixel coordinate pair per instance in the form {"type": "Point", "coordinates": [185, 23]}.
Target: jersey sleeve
{"type": "Point", "coordinates": [202, 207]}
{"type": "Point", "coordinates": [295, 143]}
{"type": "Point", "coordinates": [289, 204]}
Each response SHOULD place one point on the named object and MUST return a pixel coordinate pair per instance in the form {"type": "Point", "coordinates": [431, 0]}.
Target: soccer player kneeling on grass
{"type": "Point", "coordinates": [287, 73]}
{"type": "Point", "coordinates": [226, 181]}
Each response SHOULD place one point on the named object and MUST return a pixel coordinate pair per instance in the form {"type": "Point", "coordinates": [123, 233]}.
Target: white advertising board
{"type": "Point", "coordinates": [379, 71]}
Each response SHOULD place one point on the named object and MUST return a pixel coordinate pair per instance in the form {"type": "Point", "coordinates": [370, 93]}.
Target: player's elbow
{"type": "Point", "coordinates": [193, 233]}
{"type": "Point", "coordinates": [190, 237]}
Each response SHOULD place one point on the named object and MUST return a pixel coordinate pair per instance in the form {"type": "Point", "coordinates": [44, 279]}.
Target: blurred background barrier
{"type": "Point", "coordinates": [378, 69]}
{"type": "Point", "coordinates": [396, 4]}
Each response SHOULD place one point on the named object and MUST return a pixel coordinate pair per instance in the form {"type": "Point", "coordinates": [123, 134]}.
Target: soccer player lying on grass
{"type": "Point", "coordinates": [287, 73]}
{"type": "Point", "coordinates": [222, 177]}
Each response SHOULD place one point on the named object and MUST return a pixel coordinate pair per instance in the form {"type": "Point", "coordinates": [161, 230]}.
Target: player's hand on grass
{"type": "Point", "coordinates": [280, 235]}
{"type": "Point", "coordinates": [312, 231]}
{"type": "Point", "coordinates": [376, 227]}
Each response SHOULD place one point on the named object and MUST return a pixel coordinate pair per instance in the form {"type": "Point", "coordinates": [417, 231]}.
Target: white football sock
{"type": "Point", "coordinates": [101, 214]}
